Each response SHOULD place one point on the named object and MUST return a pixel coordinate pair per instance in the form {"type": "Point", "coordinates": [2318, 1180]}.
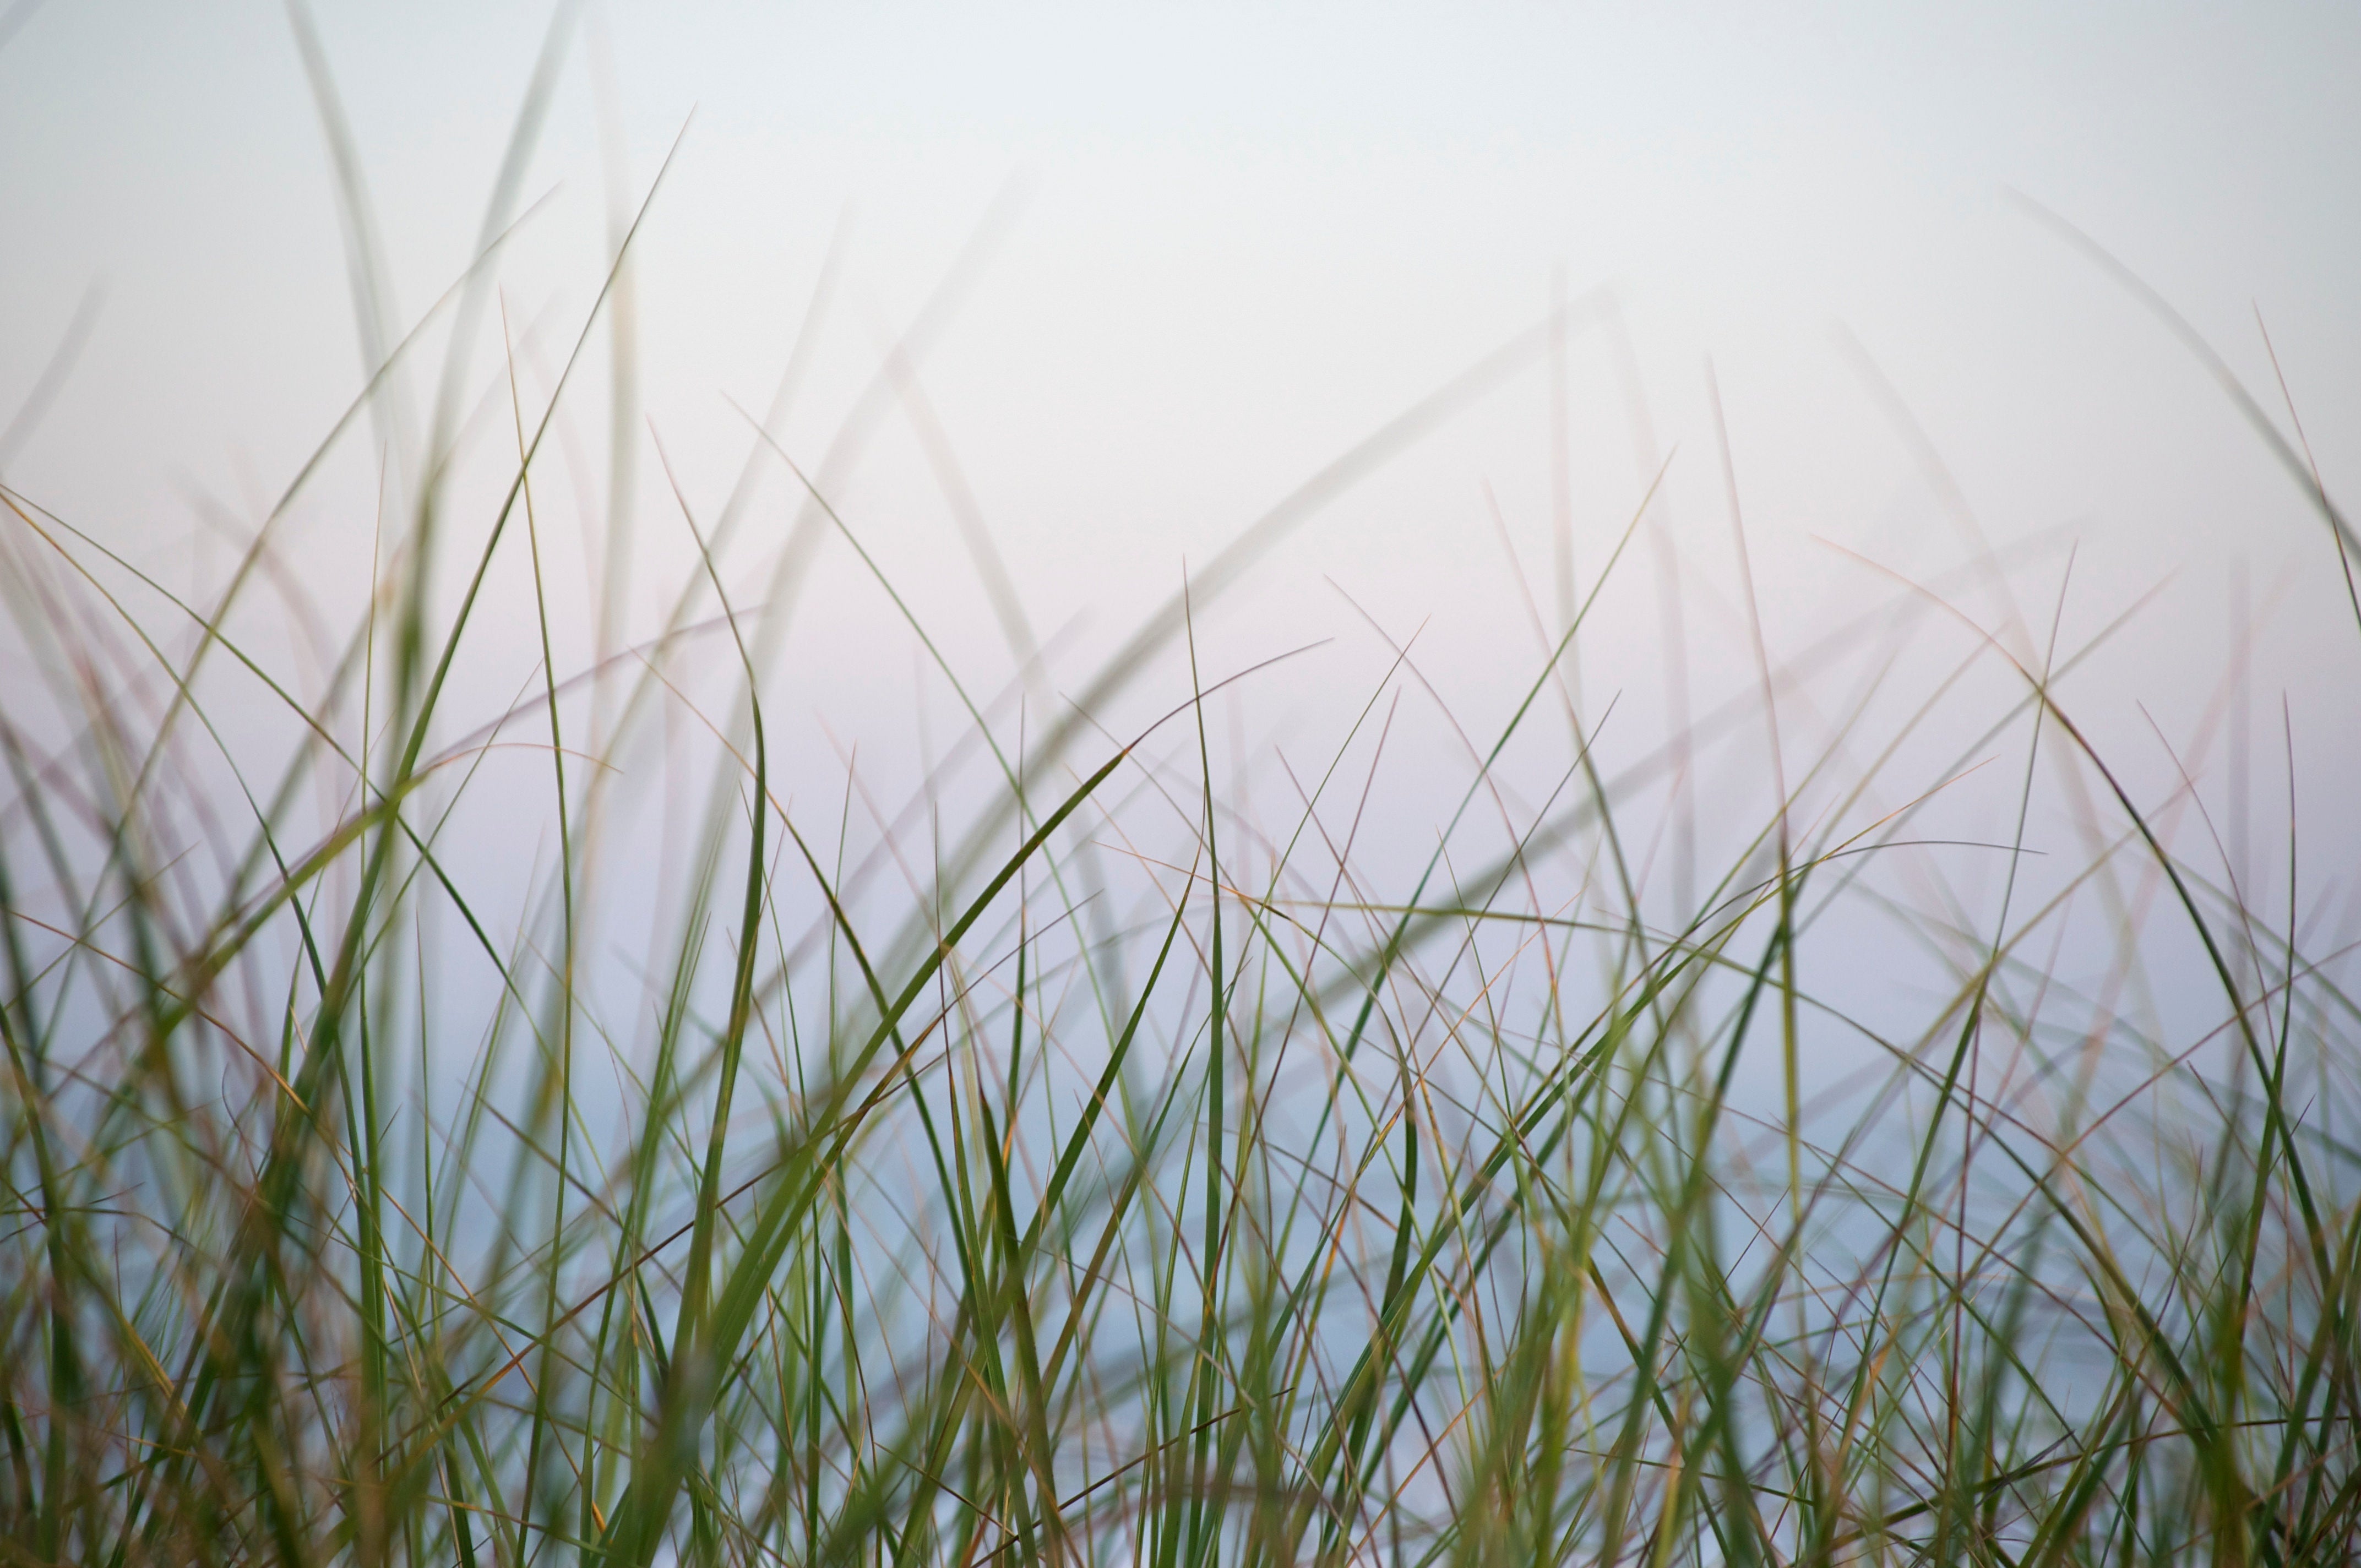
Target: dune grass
{"type": "Point", "coordinates": [1116, 1168]}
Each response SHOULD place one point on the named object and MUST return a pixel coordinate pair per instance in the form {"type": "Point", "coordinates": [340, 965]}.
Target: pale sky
{"type": "Point", "coordinates": [1240, 237]}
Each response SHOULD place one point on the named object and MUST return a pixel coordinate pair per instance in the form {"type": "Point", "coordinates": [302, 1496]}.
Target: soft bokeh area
{"type": "Point", "coordinates": [1055, 302]}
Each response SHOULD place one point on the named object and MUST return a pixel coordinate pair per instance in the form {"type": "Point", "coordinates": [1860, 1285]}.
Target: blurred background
{"type": "Point", "coordinates": [1127, 275]}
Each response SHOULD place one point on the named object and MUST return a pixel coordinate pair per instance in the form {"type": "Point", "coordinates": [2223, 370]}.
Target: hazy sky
{"type": "Point", "coordinates": [1232, 241]}
{"type": "Point", "coordinates": [1241, 237]}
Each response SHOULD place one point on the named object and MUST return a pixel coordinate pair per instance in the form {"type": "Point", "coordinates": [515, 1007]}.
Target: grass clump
{"type": "Point", "coordinates": [1149, 1177]}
